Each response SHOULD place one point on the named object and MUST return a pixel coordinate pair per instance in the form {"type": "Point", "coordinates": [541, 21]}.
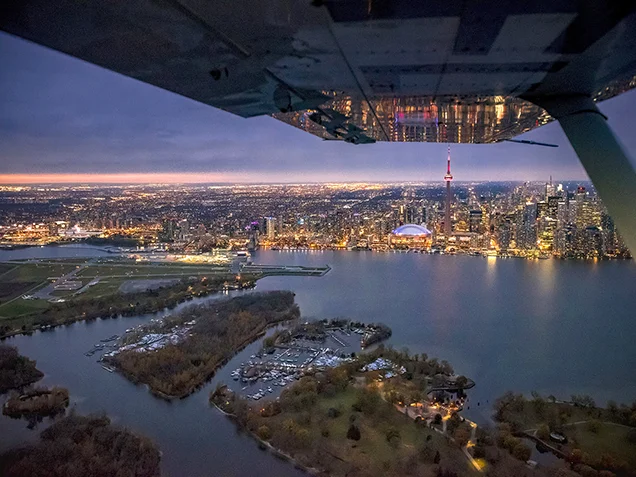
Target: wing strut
{"type": "Point", "coordinates": [603, 157]}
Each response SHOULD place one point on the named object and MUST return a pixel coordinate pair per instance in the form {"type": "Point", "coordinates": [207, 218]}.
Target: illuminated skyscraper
{"type": "Point", "coordinates": [475, 221]}
{"type": "Point", "coordinates": [550, 189]}
{"type": "Point", "coordinates": [447, 216]}
{"type": "Point", "coordinates": [270, 227]}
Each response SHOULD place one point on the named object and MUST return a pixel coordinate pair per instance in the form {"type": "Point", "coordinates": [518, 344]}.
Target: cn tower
{"type": "Point", "coordinates": [447, 218]}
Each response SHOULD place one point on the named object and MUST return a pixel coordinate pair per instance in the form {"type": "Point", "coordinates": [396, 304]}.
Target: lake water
{"type": "Point", "coordinates": [558, 327]}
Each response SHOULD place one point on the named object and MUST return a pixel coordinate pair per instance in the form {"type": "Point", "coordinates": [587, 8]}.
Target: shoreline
{"type": "Point", "coordinates": [169, 397]}
{"type": "Point", "coordinates": [478, 254]}
{"type": "Point", "coordinates": [76, 319]}
{"type": "Point", "coordinates": [266, 446]}
{"type": "Point", "coordinates": [209, 367]}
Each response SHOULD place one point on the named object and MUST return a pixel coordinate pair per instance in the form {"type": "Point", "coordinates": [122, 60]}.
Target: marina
{"type": "Point", "coordinates": [432, 317]}
{"type": "Point", "coordinates": [290, 353]}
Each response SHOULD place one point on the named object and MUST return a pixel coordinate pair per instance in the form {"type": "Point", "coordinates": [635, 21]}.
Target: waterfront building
{"type": "Point", "coordinates": [411, 236]}
{"type": "Point", "coordinates": [504, 234]}
{"type": "Point", "coordinates": [526, 236]}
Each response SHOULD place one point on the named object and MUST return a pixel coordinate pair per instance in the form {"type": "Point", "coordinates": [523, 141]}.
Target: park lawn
{"type": "Point", "coordinates": [611, 439]}
{"type": "Point", "coordinates": [105, 287]}
{"type": "Point", "coordinates": [373, 452]}
{"type": "Point", "coordinates": [20, 307]}
{"type": "Point", "coordinates": [5, 268]}
{"type": "Point", "coordinates": [108, 270]}
{"type": "Point", "coordinates": [10, 290]}
{"type": "Point", "coordinates": [33, 272]}
{"type": "Point", "coordinates": [64, 261]}
{"type": "Point", "coordinates": [531, 418]}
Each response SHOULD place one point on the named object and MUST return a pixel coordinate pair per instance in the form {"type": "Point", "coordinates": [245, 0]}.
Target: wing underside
{"type": "Point", "coordinates": [358, 71]}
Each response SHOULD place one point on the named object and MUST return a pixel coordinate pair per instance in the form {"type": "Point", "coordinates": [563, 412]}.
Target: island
{"type": "Point", "coordinates": [176, 355]}
{"type": "Point", "coordinates": [39, 294]}
{"type": "Point", "coordinates": [136, 301]}
{"type": "Point", "coordinates": [37, 403]}
{"type": "Point", "coordinates": [16, 371]}
{"type": "Point", "coordinates": [376, 413]}
{"type": "Point", "coordinates": [593, 441]}
{"type": "Point", "coordinates": [84, 446]}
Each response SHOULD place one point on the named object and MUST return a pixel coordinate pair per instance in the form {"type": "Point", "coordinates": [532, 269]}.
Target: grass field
{"type": "Point", "coordinates": [144, 271]}
{"type": "Point", "coordinates": [5, 268]}
{"type": "Point", "coordinates": [24, 277]}
{"type": "Point", "coordinates": [107, 286]}
{"type": "Point", "coordinates": [9, 290]}
{"type": "Point", "coordinates": [17, 280]}
{"type": "Point", "coordinates": [611, 439]}
{"type": "Point", "coordinates": [22, 307]}
{"type": "Point", "coordinates": [36, 272]}
{"type": "Point", "coordinates": [373, 451]}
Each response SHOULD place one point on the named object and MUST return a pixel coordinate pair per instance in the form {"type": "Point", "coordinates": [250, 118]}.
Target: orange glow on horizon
{"type": "Point", "coordinates": [123, 178]}
{"type": "Point", "coordinates": [231, 177]}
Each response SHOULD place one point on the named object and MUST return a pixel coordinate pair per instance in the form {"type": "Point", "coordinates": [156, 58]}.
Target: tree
{"type": "Point", "coordinates": [543, 432]}
{"type": "Point", "coordinates": [265, 433]}
{"type": "Point", "coordinates": [425, 454]}
{"type": "Point", "coordinates": [606, 473]}
{"type": "Point", "coordinates": [575, 457]}
{"type": "Point", "coordinates": [416, 396]}
{"type": "Point", "coordinates": [446, 368]}
{"type": "Point", "coordinates": [479, 452]}
{"type": "Point", "coordinates": [594, 426]}
{"type": "Point", "coordinates": [461, 382]}
{"type": "Point", "coordinates": [367, 401]}
{"type": "Point", "coordinates": [586, 471]}
{"type": "Point", "coordinates": [538, 404]}
{"type": "Point", "coordinates": [453, 422]}
{"type": "Point", "coordinates": [510, 442]}
{"type": "Point", "coordinates": [563, 472]}
{"type": "Point", "coordinates": [353, 433]}
{"type": "Point", "coordinates": [521, 452]}
{"type": "Point", "coordinates": [583, 400]}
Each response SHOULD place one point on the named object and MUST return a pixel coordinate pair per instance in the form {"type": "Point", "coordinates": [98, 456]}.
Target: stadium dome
{"type": "Point", "coordinates": [411, 230]}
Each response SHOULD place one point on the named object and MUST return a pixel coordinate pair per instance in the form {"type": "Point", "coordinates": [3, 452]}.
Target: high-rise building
{"type": "Point", "coordinates": [550, 189]}
{"type": "Point", "coordinates": [527, 227]}
{"type": "Point", "coordinates": [504, 234]}
{"type": "Point", "coordinates": [553, 206]}
{"type": "Point", "coordinates": [447, 216]}
{"type": "Point", "coordinates": [475, 222]}
{"type": "Point", "coordinates": [253, 236]}
{"type": "Point", "coordinates": [184, 229]}
{"type": "Point", "coordinates": [270, 227]}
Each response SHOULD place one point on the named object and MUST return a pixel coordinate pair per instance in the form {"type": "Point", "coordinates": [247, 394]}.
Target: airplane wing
{"type": "Point", "coordinates": [398, 70]}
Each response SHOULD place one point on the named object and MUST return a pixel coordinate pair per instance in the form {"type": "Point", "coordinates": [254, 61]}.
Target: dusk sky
{"type": "Point", "coordinates": [63, 119]}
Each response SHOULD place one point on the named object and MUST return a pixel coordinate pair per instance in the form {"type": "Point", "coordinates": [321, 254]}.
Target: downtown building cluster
{"type": "Point", "coordinates": [533, 220]}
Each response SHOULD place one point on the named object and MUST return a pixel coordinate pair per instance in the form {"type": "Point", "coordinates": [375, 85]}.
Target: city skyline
{"type": "Point", "coordinates": [67, 121]}
{"type": "Point", "coordinates": [532, 220]}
